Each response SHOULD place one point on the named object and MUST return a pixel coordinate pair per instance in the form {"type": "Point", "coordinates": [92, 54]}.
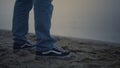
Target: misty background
{"type": "Point", "coordinates": [86, 19]}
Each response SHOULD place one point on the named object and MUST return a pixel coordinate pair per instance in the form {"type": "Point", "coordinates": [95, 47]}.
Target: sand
{"type": "Point", "coordinates": [85, 54]}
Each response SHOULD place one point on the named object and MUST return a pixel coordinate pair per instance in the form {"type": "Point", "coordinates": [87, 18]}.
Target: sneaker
{"type": "Point", "coordinates": [54, 53]}
{"type": "Point", "coordinates": [17, 47]}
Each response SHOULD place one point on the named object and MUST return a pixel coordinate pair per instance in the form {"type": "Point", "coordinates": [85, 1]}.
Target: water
{"type": "Point", "coordinates": [94, 19]}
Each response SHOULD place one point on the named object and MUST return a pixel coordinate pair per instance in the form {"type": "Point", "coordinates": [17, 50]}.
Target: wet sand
{"type": "Point", "coordinates": [86, 54]}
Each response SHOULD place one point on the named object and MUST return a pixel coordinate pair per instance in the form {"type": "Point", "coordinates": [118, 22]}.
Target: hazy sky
{"type": "Point", "coordinates": [90, 19]}
{"type": "Point", "coordinates": [96, 19]}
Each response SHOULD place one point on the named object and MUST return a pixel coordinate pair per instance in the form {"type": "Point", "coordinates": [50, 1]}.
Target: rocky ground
{"type": "Point", "coordinates": [86, 54]}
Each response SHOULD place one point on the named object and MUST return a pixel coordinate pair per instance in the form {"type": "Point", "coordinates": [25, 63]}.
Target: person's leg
{"type": "Point", "coordinates": [45, 46]}
{"type": "Point", "coordinates": [20, 20]}
{"type": "Point", "coordinates": [43, 13]}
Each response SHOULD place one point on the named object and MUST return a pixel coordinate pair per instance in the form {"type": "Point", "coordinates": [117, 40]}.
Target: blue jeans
{"type": "Point", "coordinates": [43, 13]}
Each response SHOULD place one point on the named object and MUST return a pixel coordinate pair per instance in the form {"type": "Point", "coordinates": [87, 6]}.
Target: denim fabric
{"type": "Point", "coordinates": [43, 14]}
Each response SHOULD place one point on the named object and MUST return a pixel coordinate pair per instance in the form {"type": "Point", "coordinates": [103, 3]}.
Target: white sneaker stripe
{"type": "Point", "coordinates": [25, 45]}
{"type": "Point", "coordinates": [51, 51]}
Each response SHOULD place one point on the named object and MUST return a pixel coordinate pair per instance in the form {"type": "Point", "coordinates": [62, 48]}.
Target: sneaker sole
{"type": "Point", "coordinates": [68, 57]}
